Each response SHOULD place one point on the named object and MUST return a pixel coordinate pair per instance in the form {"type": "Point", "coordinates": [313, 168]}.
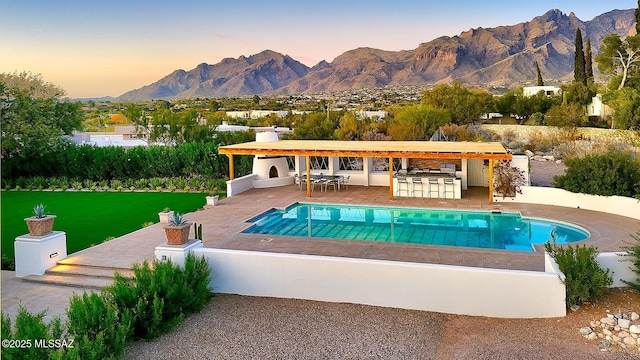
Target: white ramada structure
{"type": "Point", "coordinates": [366, 163]}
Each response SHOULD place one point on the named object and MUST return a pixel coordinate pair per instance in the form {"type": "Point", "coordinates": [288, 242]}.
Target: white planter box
{"type": "Point", "coordinates": [212, 200]}
{"type": "Point", "coordinates": [165, 216]}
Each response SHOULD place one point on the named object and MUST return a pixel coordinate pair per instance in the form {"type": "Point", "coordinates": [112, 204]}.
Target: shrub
{"type": "Point", "coordinates": [609, 174]}
{"type": "Point", "coordinates": [142, 184]}
{"type": "Point", "coordinates": [99, 328]}
{"type": "Point", "coordinates": [116, 184]}
{"type": "Point", "coordinates": [585, 279]}
{"type": "Point", "coordinates": [31, 328]}
{"type": "Point", "coordinates": [632, 252]}
{"type": "Point", "coordinates": [8, 263]}
{"type": "Point", "coordinates": [160, 295]}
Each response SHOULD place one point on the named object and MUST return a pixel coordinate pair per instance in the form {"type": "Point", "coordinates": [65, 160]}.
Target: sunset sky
{"type": "Point", "coordinates": [95, 49]}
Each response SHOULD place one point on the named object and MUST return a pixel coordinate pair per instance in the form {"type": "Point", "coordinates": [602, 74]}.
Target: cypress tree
{"type": "Point", "coordinates": [579, 74]}
{"type": "Point", "coordinates": [637, 15]}
{"type": "Point", "coordinates": [540, 82]}
{"type": "Point", "coordinates": [588, 62]}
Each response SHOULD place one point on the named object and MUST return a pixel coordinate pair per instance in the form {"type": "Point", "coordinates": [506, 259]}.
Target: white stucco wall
{"type": "Point", "coordinates": [241, 184]}
{"type": "Point", "coordinates": [618, 205]}
{"type": "Point", "coordinates": [440, 288]}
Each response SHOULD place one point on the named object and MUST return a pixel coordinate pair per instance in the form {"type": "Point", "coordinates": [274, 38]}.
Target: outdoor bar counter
{"type": "Point", "coordinates": [430, 185]}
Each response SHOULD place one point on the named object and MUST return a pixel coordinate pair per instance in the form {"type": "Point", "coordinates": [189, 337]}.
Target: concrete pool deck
{"type": "Point", "coordinates": [222, 225]}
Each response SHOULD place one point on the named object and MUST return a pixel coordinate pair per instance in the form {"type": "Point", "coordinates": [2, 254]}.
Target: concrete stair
{"type": "Point", "coordinates": [81, 276]}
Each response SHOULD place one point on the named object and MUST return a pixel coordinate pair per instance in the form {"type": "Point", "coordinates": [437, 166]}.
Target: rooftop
{"type": "Point", "coordinates": [398, 149]}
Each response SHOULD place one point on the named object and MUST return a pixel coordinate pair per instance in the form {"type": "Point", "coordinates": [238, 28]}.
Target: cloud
{"type": "Point", "coordinates": [230, 38]}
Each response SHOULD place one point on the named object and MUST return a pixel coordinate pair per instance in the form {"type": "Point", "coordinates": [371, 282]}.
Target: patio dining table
{"type": "Point", "coordinates": [322, 179]}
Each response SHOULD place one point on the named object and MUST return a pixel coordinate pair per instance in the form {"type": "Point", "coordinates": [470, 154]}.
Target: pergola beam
{"type": "Point", "coordinates": [368, 154]}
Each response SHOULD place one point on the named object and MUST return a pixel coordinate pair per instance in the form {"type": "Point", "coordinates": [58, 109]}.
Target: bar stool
{"type": "Point", "coordinates": [449, 187]}
{"type": "Point", "coordinates": [415, 182]}
{"type": "Point", "coordinates": [402, 182]}
{"type": "Point", "coordinates": [433, 182]}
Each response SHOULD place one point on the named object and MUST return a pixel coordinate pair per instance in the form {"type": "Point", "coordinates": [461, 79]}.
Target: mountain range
{"type": "Point", "coordinates": [503, 56]}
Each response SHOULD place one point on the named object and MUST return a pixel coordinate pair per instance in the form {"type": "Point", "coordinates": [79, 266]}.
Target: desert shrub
{"type": "Point", "coordinates": [544, 140]}
{"type": "Point", "coordinates": [159, 295]}
{"type": "Point", "coordinates": [607, 174]}
{"type": "Point", "coordinates": [142, 184]}
{"type": "Point", "coordinates": [585, 279]}
{"type": "Point", "coordinates": [30, 328]}
{"type": "Point", "coordinates": [478, 133]}
{"type": "Point", "coordinates": [157, 183]}
{"type": "Point", "coordinates": [632, 254]}
{"type": "Point", "coordinates": [510, 139]}
{"type": "Point", "coordinates": [8, 263]}
{"type": "Point", "coordinates": [99, 328]}
{"type": "Point", "coordinates": [116, 184]}
{"type": "Point", "coordinates": [21, 182]}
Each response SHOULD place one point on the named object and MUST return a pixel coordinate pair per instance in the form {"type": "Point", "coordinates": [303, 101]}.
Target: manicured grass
{"type": "Point", "coordinates": [89, 218]}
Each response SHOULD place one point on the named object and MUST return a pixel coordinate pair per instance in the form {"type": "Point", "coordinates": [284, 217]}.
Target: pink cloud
{"type": "Point", "coordinates": [231, 38]}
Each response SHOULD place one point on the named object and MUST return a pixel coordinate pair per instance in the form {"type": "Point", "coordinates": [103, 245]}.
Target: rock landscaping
{"type": "Point", "coordinates": [615, 330]}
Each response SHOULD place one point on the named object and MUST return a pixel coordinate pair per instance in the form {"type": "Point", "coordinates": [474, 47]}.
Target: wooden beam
{"type": "Point", "coordinates": [367, 154]}
{"type": "Point", "coordinates": [490, 181]}
{"type": "Point", "coordinates": [308, 176]}
{"type": "Point", "coordinates": [230, 166]}
{"type": "Point", "coordinates": [390, 177]}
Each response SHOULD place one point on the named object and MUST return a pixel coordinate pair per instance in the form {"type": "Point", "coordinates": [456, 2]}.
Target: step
{"type": "Point", "coordinates": [79, 281]}
{"type": "Point", "coordinates": [82, 276]}
{"type": "Point", "coordinates": [95, 271]}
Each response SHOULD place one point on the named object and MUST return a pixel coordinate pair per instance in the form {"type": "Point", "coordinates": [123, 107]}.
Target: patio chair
{"type": "Point", "coordinates": [331, 182]}
{"type": "Point", "coordinates": [299, 181]}
{"type": "Point", "coordinates": [403, 185]}
{"type": "Point", "coordinates": [344, 181]}
{"type": "Point", "coordinates": [317, 181]}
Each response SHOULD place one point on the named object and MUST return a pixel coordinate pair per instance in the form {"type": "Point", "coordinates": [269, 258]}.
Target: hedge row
{"type": "Point", "coordinates": [94, 163]}
{"type": "Point", "coordinates": [194, 183]}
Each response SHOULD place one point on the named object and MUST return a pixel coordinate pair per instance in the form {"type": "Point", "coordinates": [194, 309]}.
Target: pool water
{"type": "Point", "coordinates": [476, 229]}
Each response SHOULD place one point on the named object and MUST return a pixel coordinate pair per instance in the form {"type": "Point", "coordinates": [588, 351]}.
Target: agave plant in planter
{"type": "Point", "coordinates": [40, 223]}
{"type": "Point", "coordinates": [177, 230]}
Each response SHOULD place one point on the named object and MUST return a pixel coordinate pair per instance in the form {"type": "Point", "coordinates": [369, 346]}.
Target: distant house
{"type": "Point", "coordinates": [255, 114]}
{"type": "Point", "coordinates": [258, 129]}
{"type": "Point", "coordinates": [598, 109]}
{"type": "Point", "coordinates": [533, 90]}
{"type": "Point", "coordinates": [122, 136]}
{"type": "Point", "coordinates": [364, 114]}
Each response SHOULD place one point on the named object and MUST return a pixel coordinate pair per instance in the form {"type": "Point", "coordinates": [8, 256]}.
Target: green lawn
{"type": "Point", "coordinates": [89, 217]}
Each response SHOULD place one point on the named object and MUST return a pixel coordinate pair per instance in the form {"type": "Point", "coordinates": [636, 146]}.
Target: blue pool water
{"type": "Point", "coordinates": [475, 229]}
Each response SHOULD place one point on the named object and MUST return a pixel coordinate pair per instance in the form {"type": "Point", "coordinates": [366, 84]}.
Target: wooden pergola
{"type": "Point", "coordinates": [491, 151]}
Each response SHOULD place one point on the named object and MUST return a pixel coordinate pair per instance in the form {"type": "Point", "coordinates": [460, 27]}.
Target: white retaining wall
{"type": "Point", "coordinates": [428, 287]}
{"type": "Point", "coordinates": [619, 265]}
{"type": "Point", "coordinates": [241, 184]}
{"type": "Point", "coordinates": [618, 205]}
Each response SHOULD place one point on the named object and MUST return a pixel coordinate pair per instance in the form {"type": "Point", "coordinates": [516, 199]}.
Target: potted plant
{"type": "Point", "coordinates": [212, 199]}
{"type": "Point", "coordinates": [40, 223]}
{"type": "Point", "coordinates": [177, 230]}
{"type": "Point", "coordinates": [165, 215]}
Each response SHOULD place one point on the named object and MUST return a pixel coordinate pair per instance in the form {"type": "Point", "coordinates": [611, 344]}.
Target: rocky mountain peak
{"type": "Point", "coordinates": [501, 56]}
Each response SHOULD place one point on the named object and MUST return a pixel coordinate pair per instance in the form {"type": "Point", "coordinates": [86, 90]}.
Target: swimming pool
{"type": "Point", "coordinates": [476, 229]}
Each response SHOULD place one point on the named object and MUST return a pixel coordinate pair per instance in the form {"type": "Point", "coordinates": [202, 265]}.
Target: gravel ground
{"type": "Point", "coordinates": [240, 327]}
{"type": "Point", "coordinates": [542, 172]}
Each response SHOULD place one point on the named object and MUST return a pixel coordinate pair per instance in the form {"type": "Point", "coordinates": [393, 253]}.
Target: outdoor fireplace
{"type": "Point", "coordinates": [271, 171]}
